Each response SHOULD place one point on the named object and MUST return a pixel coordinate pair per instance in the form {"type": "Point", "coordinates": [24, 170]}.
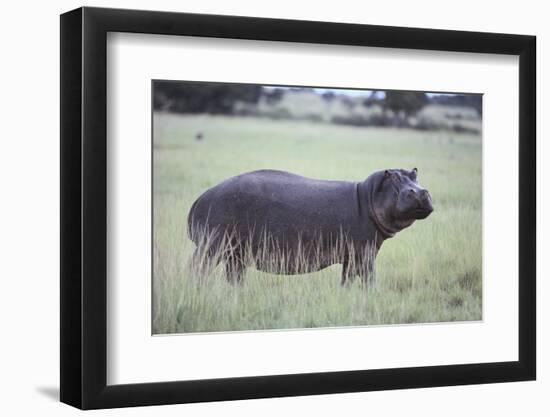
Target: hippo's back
{"type": "Point", "coordinates": [276, 203]}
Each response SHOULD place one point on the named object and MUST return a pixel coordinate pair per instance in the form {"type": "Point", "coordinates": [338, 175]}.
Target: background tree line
{"type": "Point", "coordinates": [380, 108]}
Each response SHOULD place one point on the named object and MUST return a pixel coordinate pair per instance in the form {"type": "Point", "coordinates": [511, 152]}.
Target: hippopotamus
{"type": "Point", "coordinates": [285, 223]}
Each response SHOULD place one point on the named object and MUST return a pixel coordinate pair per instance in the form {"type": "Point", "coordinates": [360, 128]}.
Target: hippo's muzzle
{"type": "Point", "coordinates": [424, 206]}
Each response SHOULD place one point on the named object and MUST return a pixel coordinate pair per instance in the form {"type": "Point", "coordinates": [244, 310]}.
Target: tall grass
{"type": "Point", "coordinates": [430, 272]}
{"type": "Point", "coordinates": [258, 247]}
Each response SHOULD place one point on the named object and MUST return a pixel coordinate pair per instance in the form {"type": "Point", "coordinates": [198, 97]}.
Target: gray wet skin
{"type": "Point", "coordinates": [284, 223]}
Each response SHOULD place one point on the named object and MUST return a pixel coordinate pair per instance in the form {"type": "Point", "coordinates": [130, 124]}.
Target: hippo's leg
{"type": "Point", "coordinates": [368, 272]}
{"type": "Point", "coordinates": [348, 273]}
{"type": "Point", "coordinates": [366, 267]}
{"type": "Point", "coordinates": [371, 273]}
{"type": "Point", "coordinates": [202, 264]}
{"type": "Point", "coordinates": [234, 269]}
{"type": "Point", "coordinates": [345, 272]}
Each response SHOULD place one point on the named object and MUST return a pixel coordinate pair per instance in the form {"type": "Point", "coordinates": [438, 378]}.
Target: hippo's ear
{"type": "Point", "coordinates": [387, 174]}
{"type": "Point", "coordinates": [414, 174]}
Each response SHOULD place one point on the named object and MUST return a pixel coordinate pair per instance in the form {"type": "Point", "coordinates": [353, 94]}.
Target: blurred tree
{"type": "Point", "coordinates": [374, 98]}
{"type": "Point", "coordinates": [199, 97]}
{"type": "Point", "coordinates": [349, 102]}
{"type": "Point", "coordinates": [407, 102]}
{"type": "Point", "coordinates": [328, 95]}
{"type": "Point", "coordinates": [273, 96]}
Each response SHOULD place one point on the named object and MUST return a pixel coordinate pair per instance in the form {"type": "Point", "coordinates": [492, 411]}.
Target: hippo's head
{"type": "Point", "coordinates": [396, 199]}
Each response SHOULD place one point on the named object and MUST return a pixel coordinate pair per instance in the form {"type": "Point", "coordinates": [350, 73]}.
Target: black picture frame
{"type": "Point", "coordinates": [84, 207]}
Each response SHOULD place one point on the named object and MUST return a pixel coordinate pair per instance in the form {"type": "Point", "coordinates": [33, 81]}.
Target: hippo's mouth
{"type": "Point", "coordinates": [422, 213]}
{"type": "Point", "coordinates": [419, 215]}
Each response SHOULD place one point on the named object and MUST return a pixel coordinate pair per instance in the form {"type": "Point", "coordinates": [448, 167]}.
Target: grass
{"type": "Point", "coordinates": [430, 272]}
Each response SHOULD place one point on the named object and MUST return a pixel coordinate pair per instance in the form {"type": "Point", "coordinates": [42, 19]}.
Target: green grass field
{"type": "Point", "coordinates": [430, 272]}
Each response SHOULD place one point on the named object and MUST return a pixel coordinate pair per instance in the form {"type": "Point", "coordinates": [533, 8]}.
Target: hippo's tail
{"type": "Point", "coordinates": [191, 225]}
{"type": "Point", "coordinates": [197, 224]}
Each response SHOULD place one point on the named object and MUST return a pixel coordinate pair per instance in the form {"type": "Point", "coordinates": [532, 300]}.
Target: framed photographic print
{"type": "Point", "coordinates": [256, 207]}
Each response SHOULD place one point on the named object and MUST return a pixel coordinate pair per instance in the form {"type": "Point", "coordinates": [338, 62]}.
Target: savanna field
{"type": "Point", "coordinates": [430, 272]}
